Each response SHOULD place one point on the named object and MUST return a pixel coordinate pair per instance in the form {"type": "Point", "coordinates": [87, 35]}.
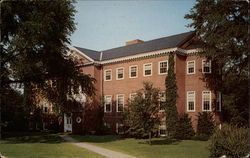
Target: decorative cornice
{"type": "Point", "coordinates": [82, 53]}
{"type": "Point", "coordinates": [145, 55]}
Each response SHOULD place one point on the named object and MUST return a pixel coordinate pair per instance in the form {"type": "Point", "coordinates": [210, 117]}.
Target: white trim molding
{"type": "Point", "coordinates": [140, 55]}
{"type": "Point", "coordinates": [82, 53]}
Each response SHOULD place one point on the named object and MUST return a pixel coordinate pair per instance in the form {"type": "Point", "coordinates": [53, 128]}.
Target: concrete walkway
{"type": "Point", "coordinates": [102, 151]}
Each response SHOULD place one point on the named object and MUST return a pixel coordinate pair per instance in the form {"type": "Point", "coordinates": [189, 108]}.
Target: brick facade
{"type": "Point", "coordinates": [97, 67]}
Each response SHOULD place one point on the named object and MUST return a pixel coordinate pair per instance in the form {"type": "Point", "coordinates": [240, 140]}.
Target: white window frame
{"type": "Point", "coordinates": [117, 96]}
{"type": "Point", "coordinates": [122, 74]}
{"type": "Point", "coordinates": [46, 106]}
{"type": "Point", "coordinates": [105, 71]}
{"type": "Point", "coordinates": [106, 103]}
{"type": "Point", "coordinates": [117, 128]}
{"type": "Point", "coordinates": [218, 100]}
{"type": "Point", "coordinates": [210, 101]}
{"type": "Point", "coordinates": [210, 66]}
{"type": "Point", "coordinates": [162, 127]}
{"type": "Point", "coordinates": [107, 125]}
{"type": "Point", "coordinates": [188, 101]}
{"type": "Point", "coordinates": [144, 69]}
{"type": "Point", "coordinates": [130, 95]}
{"type": "Point", "coordinates": [159, 67]}
{"type": "Point", "coordinates": [136, 71]}
{"type": "Point", "coordinates": [188, 67]}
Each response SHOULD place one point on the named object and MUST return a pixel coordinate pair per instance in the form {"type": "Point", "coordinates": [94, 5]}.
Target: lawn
{"type": "Point", "coordinates": [43, 145]}
{"type": "Point", "coordinates": [160, 148]}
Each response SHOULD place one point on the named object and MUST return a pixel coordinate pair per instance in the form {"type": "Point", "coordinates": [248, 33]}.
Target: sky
{"type": "Point", "coordinates": [102, 25]}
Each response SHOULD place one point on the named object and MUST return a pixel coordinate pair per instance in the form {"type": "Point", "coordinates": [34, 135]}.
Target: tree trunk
{"type": "Point", "coordinates": [1, 92]}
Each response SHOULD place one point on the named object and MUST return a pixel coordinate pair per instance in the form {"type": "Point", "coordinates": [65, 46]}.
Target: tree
{"type": "Point", "coordinates": [184, 129]}
{"type": "Point", "coordinates": [222, 26]}
{"type": "Point", "coordinates": [141, 116]}
{"type": "Point", "coordinates": [34, 46]}
{"type": "Point", "coordinates": [205, 125]}
{"type": "Point", "coordinates": [171, 94]}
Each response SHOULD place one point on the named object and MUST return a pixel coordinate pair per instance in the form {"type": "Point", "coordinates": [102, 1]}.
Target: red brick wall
{"type": "Point", "coordinates": [185, 82]}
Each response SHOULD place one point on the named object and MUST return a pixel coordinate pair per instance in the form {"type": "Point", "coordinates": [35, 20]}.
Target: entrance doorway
{"type": "Point", "coordinates": [68, 122]}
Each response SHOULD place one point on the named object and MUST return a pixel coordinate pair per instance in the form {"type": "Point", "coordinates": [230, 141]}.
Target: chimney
{"type": "Point", "coordinates": [133, 42]}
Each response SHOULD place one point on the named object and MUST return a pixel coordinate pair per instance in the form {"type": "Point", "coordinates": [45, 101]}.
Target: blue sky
{"type": "Point", "coordinates": [104, 25]}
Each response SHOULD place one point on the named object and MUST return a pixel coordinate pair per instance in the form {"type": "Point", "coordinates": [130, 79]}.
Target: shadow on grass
{"type": "Point", "coordinates": [162, 142]}
{"type": "Point", "coordinates": [34, 138]}
{"type": "Point", "coordinates": [96, 139]}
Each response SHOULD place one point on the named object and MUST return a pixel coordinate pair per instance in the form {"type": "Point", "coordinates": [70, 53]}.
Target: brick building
{"type": "Point", "coordinates": [120, 72]}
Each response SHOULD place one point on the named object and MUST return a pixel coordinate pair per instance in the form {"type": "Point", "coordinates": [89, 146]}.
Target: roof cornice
{"type": "Point", "coordinates": [82, 53]}
{"type": "Point", "coordinates": [145, 55]}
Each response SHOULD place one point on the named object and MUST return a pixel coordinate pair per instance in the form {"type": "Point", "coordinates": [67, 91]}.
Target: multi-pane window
{"type": "Point", "coordinates": [120, 73]}
{"type": "Point", "coordinates": [108, 103]}
{"type": "Point", "coordinates": [120, 102]}
{"type": "Point", "coordinates": [162, 130]}
{"type": "Point", "coordinates": [119, 128]}
{"type": "Point", "coordinates": [133, 71]}
{"type": "Point", "coordinates": [46, 107]}
{"type": "Point", "coordinates": [147, 69]}
{"type": "Point", "coordinates": [163, 67]}
{"type": "Point", "coordinates": [132, 96]}
{"type": "Point", "coordinates": [191, 101]}
{"type": "Point", "coordinates": [162, 98]}
{"type": "Point", "coordinates": [191, 67]}
{"type": "Point", "coordinates": [108, 75]}
{"type": "Point", "coordinates": [206, 66]}
{"type": "Point", "coordinates": [218, 101]}
{"type": "Point", "coordinates": [206, 100]}
{"type": "Point", "coordinates": [107, 125]}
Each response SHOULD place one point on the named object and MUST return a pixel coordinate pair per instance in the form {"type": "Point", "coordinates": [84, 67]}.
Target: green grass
{"type": "Point", "coordinates": [37, 145]}
{"type": "Point", "coordinates": [160, 148]}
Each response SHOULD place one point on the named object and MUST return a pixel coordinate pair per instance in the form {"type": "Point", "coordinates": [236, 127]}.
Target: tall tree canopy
{"type": "Point", "coordinates": [171, 95]}
{"type": "Point", "coordinates": [35, 39]}
{"type": "Point", "coordinates": [34, 45]}
{"type": "Point", "coordinates": [141, 116]}
{"type": "Point", "coordinates": [222, 25]}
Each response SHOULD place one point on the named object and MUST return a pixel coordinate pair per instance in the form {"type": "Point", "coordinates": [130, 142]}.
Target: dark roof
{"type": "Point", "coordinates": [195, 44]}
{"type": "Point", "coordinates": [157, 44]}
{"type": "Point", "coordinates": [95, 55]}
